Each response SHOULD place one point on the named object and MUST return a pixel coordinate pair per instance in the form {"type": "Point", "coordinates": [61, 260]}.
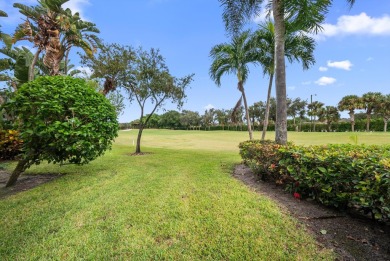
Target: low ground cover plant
{"type": "Point", "coordinates": [10, 144]}
{"type": "Point", "coordinates": [342, 176]}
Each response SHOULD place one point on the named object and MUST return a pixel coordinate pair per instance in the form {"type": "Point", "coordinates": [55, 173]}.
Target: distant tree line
{"type": "Point", "coordinates": [369, 112]}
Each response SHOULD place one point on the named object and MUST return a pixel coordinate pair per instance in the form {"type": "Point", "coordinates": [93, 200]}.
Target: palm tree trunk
{"type": "Point", "coordinates": [280, 74]}
{"type": "Point", "coordinates": [66, 62]}
{"type": "Point", "coordinates": [32, 66]}
{"type": "Point", "coordinates": [385, 124]}
{"type": "Point", "coordinates": [20, 168]}
{"type": "Point", "coordinates": [352, 116]}
{"type": "Point", "coordinates": [368, 121]}
{"type": "Point", "coordinates": [241, 88]}
{"type": "Point", "coordinates": [266, 116]}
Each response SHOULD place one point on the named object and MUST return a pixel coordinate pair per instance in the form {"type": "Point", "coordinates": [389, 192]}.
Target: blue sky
{"type": "Point", "coordinates": [352, 52]}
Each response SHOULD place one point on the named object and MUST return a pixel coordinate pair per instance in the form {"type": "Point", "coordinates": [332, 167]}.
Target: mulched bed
{"type": "Point", "coordinates": [351, 237]}
{"type": "Point", "coordinates": [24, 182]}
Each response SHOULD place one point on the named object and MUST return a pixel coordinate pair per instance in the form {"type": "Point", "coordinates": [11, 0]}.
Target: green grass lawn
{"type": "Point", "coordinates": [177, 203]}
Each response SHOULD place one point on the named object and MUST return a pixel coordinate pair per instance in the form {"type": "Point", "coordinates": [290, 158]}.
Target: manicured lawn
{"type": "Point", "coordinates": [178, 203]}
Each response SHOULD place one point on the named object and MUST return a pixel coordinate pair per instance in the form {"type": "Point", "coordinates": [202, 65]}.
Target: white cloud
{"type": "Point", "coordinates": [306, 83]}
{"type": "Point", "coordinates": [76, 6]}
{"type": "Point", "coordinates": [86, 72]}
{"type": "Point", "coordinates": [208, 107]}
{"type": "Point", "coordinates": [323, 81]}
{"type": "Point", "coordinates": [369, 59]}
{"type": "Point", "coordinates": [344, 65]}
{"type": "Point", "coordinates": [323, 69]}
{"type": "Point", "coordinates": [361, 24]}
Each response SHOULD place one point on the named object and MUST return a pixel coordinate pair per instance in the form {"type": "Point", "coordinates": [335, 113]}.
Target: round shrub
{"type": "Point", "coordinates": [62, 119]}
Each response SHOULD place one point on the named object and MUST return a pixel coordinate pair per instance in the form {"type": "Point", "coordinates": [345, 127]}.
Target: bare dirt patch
{"type": "Point", "coordinates": [350, 237]}
{"type": "Point", "coordinates": [24, 182]}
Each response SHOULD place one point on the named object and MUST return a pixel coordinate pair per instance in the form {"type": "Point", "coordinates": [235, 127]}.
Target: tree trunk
{"type": "Point", "coordinates": [266, 116]}
{"type": "Point", "coordinates": [138, 147]}
{"type": "Point", "coordinates": [368, 122]}
{"type": "Point", "coordinates": [32, 66]}
{"type": "Point", "coordinates": [385, 125]}
{"type": "Point", "coordinates": [20, 168]}
{"type": "Point", "coordinates": [352, 116]}
{"type": "Point", "coordinates": [66, 62]}
{"type": "Point", "coordinates": [280, 74]}
{"type": "Point", "coordinates": [241, 88]}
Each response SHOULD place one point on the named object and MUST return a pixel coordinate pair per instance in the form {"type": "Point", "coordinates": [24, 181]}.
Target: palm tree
{"type": "Point", "coordinates": [329, 114]}
{"type": "Point", "coordinates": [370, 100]}
{"type": "Point", "coordinates": [314, 110]}
{"type": "Point", "coordinates": [233, 58]}
{"type": "Point", "coordinates": [54, 31]}
{"type": "Point", "coordinates": [298, 47]}
{"type": "Point", "coordinates": [351, 103]}
{"type": "Point", "coordinates": [304, 15]}
{"type": "Point", "coordinates": [5, 37]}
{"type": "Point", "coordinates": [383, 109]}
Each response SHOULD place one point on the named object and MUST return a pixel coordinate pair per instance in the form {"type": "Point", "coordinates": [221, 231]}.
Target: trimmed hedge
{"type": "Point", "coordinates": [342, 176]}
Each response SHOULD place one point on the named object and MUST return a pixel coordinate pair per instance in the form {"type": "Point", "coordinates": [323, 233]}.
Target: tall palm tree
{"type": "Point", "coordinates": [351, 103]}
{"type": "Point", "coordinates": [54, 31]}
{"type": "Point", "coordinates": [233, 58]}
{"type": "Point", "coordinates": [304, 15]}
{"type": "Point", "coordinates": [370, 100]}
{"type": "Point", "coordinates": [298, 47]}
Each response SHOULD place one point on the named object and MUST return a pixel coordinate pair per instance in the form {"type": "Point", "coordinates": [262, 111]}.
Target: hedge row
{"type": "Point", "coordinates": [360, 125]}
{"type": "Point", "coordinates": [342, 176]}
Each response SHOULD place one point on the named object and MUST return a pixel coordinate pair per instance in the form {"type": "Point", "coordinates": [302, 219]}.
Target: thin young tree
{"type": "Point", "coordinates": [371, 101]}
{"type": "Point", "coordinates": [151, 82]}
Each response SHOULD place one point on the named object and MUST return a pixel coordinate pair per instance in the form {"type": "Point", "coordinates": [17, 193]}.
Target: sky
{"type": "Point", "coordinates": [351, 55]}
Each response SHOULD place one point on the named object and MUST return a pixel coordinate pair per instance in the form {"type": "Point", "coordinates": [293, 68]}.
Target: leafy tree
{"type": "Point", "coordinates": [233, 58]}
{"type": "Point", "coordinates": [329, 114]}
{"type": "Point", "coordinates": [190, 119]}
{"type": "Point", "coordinates": [298, 47]}
{"type": "Point", "coordinates": [154, 121]}
{"type": "Point", "coordinates": [112, 65]}
{"type": "Point", "coordinates": [370, 100]}
{"type": "Point", "coordinates": [351, 103]}
{"type": "Point", "coordinates": [59, 122]}
{"type": "Point", "coordinates": [303, 15]}
{"type": "Point", "coordinates": [208, 118]}
{"type": "Point", "coordinates": [383, 109]}
{"type": "Point", "coordinates": [170, 119]}
{"type": "Point", "coordinates": [256, 112]}
{"type": "Point", "coordinates": [314, 110]}
{"type": "Point", "coordinates": [151, 81]}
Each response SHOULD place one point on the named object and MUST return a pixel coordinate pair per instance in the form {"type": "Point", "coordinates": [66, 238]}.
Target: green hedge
{"type": "Point", "coordinates": [342, 176]}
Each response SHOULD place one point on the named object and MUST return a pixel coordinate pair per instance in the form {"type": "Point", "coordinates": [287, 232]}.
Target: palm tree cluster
{"type": "Point", "coordinates": [53, 31]}
{"type": "Point", "coordinates": [258, 48]}
{"type": "Point", "coordinates": [299, 15]}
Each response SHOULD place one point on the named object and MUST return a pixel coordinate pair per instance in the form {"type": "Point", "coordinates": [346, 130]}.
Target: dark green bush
{"type": "Point", "coordinates": [62, 119]}
{"type": "Point", "coordinates": [342, 176]}
{"type": "Point", "coordinates": [10, 144]}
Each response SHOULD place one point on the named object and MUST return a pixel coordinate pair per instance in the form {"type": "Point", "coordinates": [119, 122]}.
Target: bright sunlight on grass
{"type": "Point", "coordinates": [179, 202]}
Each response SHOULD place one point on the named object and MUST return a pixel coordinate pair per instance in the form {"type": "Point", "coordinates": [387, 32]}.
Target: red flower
{"type": "Point", "coordinates": [297, 195]}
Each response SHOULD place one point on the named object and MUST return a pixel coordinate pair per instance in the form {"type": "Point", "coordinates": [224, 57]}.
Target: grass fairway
{"type": "Point", "coordinates": [177, 203]}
